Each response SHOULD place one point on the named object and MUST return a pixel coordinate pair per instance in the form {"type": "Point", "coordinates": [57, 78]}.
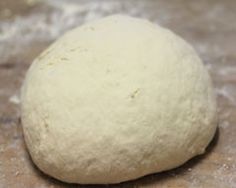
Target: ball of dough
{"type": "Point", "coordinates": [114, 100]}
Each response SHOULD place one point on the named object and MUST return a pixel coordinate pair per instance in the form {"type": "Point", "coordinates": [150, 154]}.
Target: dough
{"type": "Point", "coordinates": [114, 100]}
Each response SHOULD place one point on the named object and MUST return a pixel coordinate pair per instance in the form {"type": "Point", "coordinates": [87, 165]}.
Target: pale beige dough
{"type": "Point", "coordinates": [114, 100]}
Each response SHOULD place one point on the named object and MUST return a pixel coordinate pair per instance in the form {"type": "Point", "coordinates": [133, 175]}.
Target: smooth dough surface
{"type": "Point", "coordinates": [114, 100]}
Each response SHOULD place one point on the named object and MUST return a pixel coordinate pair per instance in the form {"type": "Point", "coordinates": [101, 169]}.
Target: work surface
{"type": "Point", "coordinates": [28, 27]}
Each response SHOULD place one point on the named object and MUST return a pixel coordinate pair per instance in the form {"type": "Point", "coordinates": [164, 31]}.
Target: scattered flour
{"type": "Point", "coordinates": [41, 26]}
{"type": "Point", "coordinates": [229, 92]}
{"type": "Point", "coordinates": [15, 99]}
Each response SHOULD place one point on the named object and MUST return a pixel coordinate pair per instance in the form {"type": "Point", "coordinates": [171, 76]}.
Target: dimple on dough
{"type": "Point", "coordinates": [114, 100]}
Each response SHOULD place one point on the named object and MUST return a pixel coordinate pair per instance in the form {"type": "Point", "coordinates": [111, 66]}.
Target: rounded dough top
{"type": "Point", "coordinates": [114, 100]}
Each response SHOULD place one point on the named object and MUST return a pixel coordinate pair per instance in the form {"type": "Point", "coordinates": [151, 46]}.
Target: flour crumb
{"type": "Point", "coordinates": [15, 99]}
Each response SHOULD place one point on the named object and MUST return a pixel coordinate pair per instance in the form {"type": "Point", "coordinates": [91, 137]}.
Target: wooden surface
{"type": "Point", "coordinates": [27, 27]}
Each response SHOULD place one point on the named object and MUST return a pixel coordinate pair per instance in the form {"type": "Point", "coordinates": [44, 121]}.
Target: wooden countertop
{"type": "Point", "coordinates": [29, 26]}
